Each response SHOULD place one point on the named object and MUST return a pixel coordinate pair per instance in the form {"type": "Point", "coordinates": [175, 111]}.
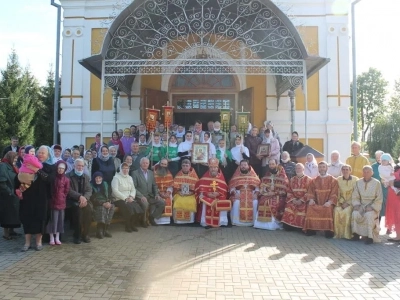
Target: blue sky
{"type": "Point", "coordinates": [29, 26]}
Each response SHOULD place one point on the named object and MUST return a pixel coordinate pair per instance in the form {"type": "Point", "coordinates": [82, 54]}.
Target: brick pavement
{"type": "Point", "coordinates": [170, 262]}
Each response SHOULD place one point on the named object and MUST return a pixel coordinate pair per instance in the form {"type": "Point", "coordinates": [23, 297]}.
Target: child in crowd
{"type": "Point", "coordinates": [58, 203]}
{"type": "Point", "coordinates": [26, 175]}
{"type": "Point", "coordinates": [387, 172]}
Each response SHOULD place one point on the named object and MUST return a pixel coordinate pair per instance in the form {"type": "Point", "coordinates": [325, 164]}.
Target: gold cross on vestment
{"type": "Point", "coordinates": [214, 185]}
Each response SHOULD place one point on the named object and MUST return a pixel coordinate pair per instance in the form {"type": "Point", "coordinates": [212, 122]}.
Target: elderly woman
{"type": "Point", "coordinates": [104, 163]}
{"type": "Point", "coordinates": [9, 202]}
{"type": "Point", "coordinates": [35, 202]}
{"type": "Point", "coordinates": [113, 154]}
{"type": "Point", "coordinates": [311, 166]}
{"type": "Point", "coordinates": [335, 167]}
{"type": "Point", "coordinates": [102, 205]}
{"type": "Point", "coordinates": [124, 192]}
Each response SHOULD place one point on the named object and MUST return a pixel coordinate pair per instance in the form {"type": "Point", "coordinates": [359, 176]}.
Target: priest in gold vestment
{"type": "Point", "coordinates": [296, 200]}
{"type": "Point", "coordinates": [367, 203]}
{"type": "Point", "coordinates": [344, 207]}
{"type": "Point", "coordinates": [164, 181]}
{"type": "Point", "coordinates": [244, 188]}
{"type": "Point", "coordinates": [322, 196]}
{"type": "Point", "coordinates": [357, 161]}
{"type": "Point", "coordinates": [185, 205]}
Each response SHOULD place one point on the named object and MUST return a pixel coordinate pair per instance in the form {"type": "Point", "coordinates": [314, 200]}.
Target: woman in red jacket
{"type": "Point", "coordinates": [58, 204]}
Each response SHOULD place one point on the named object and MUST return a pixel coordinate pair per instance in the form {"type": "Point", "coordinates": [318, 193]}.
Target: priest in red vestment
{"type": "Point", "coordinates": [185, 205]}
{"type": "Point", "coordinates": [244, 188]}
{"type": "Point", "coordinates": [296, 200]}
{"type": "Point", "coordinates": [322, 196]}
{"type": "Point", "coordinates": [165, 182]}
{"type": "Point", "coordinates": [211, 194]}
{"type": "Point", "coordinates": [271, 205]}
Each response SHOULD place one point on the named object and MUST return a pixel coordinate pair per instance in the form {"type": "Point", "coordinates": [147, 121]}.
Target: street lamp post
{"type": "Point", "coordinates": [57, 73]}
{"type": "Point", "coordinates": [354, 88]}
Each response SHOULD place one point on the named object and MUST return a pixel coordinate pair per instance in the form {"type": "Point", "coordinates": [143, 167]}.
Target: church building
{"type": "Point", "coordinates": [120, 57]}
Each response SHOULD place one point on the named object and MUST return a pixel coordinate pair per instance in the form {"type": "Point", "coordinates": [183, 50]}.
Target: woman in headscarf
{"type": "Point", "coordinates": [335, 167]}
{"type": "Point", "coordinates": [9, 202]}
{"type": "Point", "coordinates": [116, 142]}
{"type": "Point", "coordinates": [88, 161]}
{"type": "Point", "coordinates": [113, 154]}
{"type": "Point", "coordinates": [171, 154]}
{"type": "Point", "coordinates": [102, 205]}
{"type": "Point", "coordinates": [35, 202]}
{"type": "Point", "coordinates": [311, 166]}
{"type": "Point", "coordinates": [56, 151]}
{"type": "Point", "coordinates": [105, 164]}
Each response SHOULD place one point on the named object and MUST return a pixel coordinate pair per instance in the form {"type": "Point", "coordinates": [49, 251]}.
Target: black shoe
{"type": "Point", "coordinates": [86, 239]}
{"type": "Point", "coordinates": [369, 241]}
{"type": "Point", "coordinates": [106, 233]}
{"type": "Point", "coordinates": [207, 227]}
{"type": "Point", "coordinates": [99, 231]}
{"type": "Point", "coordinates": [77, 241]}
{"type": "Point", "coordinates": [134, 229]}
{"type": "Point", "coordinates": [144, 225]}
{"type": "Point", "coordinates": [152, 222]}
{"type": "Point", "coordinates": [356, 237]}
{"type": "Point", "coordinates": [128, 228]}
{"type": "Point", "coordinates": [329, 234]}
{"type": "Point", "coordinates": [310, 232]}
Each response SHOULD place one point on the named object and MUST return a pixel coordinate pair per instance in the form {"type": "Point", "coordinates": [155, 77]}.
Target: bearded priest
{"type": "Point", "coordinates": [164, 181]}
{"type": "Point", "coordinates": [185, 205]}
{"type": "Point", "coordinates": [244, 188]}
{"type": "Point", "coordinates": [211, 194]}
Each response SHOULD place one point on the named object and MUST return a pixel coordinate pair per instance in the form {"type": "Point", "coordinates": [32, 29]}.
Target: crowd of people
{"type": "Point", "coordinates": [153, 179]}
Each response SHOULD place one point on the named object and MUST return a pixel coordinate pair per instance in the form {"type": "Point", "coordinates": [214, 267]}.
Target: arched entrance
{"type": "Point", "coordinates": [202, 96]}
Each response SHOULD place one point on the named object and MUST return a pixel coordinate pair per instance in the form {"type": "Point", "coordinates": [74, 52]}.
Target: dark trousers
{"type": "Point", "coordinates": [155, 207]}
{"type": "Point", "coordinates": [81, 219]}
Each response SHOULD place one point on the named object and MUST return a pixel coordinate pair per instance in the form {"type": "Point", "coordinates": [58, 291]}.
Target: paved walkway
{"type": "Point", "coordinates": [171, 262]}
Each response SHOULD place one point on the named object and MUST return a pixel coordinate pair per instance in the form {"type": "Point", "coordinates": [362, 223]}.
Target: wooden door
{"type": "Point", "coordinates": [246, 100]}
{"type": "Point", "coordinates": [152, 98]}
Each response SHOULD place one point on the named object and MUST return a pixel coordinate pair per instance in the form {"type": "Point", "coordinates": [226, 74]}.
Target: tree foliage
{"type": "Point", "coordinates": [45, 109]}
{"type": "Point", "coordinates": [19, 91]}
{"type": "Point", "coordinates": [371, 93]}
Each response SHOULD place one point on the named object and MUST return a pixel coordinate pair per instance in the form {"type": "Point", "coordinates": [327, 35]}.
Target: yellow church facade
{"type": "Point", "coordinates": [203, 56]}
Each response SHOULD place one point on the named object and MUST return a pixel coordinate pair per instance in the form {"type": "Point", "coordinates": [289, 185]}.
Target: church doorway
{"type": "Point", "coordinates": [202, 97]}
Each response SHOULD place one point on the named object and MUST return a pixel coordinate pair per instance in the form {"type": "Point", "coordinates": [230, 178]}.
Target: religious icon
{"type": "Point", "coordinates": [151, 117]}
{"type": "Point", "coordinates": [200, 153]}
{"type": "Point", "coordinates": [263, 149]}
{"type": "Point", "coordinates": [185, 190]}
{"type": "Point", "coordinates": [225, 117]}
{"type": "Point", "coordinates": [196, 138]}
{"type": "Point", "coordinates": [243, 120]}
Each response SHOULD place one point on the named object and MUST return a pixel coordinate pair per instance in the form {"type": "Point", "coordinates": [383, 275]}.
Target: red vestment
{"type": "Point", "coordinates": [272, 205]}
{"type": "Point", "coordinates": [205, 185]}
{"type": "Point", "coordinates": [321, 190]}
{"type": "Point", "coordinates": [295, 215]}
{"type": "Point", "coordinates": [246, 184]}
{"type": "Point", "coordinates": [163, 183]}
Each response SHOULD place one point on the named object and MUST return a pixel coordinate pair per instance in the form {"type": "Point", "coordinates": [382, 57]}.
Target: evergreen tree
{"type": "Point", "coordinates": [45, 109]}
{"type": "Point", "coordinates": [19, 91]}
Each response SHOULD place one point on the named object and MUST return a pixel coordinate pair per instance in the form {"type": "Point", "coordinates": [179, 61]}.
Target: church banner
{"type": "Point", "coordinates": [242, 122]}
{"type": "Point", "coordinates": [225, 120]}
{"type": "Point", "coordinates": [168, 116]}
{"type": "Point", "coordinates": [151, 117]}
